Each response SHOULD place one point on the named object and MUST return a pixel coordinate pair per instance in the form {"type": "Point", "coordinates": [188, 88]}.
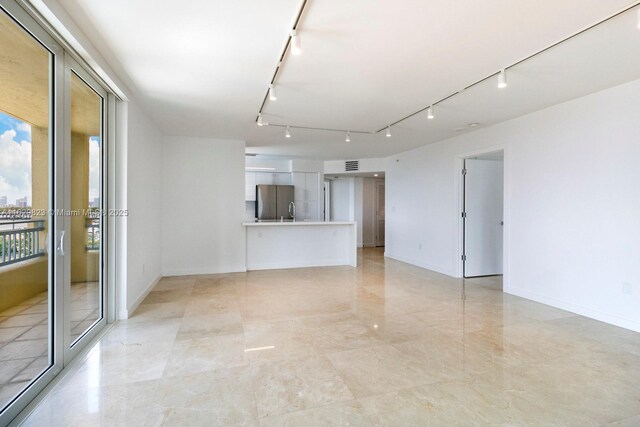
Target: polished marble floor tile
{"type": "Point", "coordinates": [383, 344]}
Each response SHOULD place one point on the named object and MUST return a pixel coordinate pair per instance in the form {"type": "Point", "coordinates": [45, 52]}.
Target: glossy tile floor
{"type": "Point", "coordinates": [383, 344]}
{"type": "Point", "coordinates": [24, 336]}
{"type": "Point", "coordinates": [23, 345]}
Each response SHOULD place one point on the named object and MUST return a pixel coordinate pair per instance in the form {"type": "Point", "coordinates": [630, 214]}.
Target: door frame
{"type": "Point", "coordinates": [61, 358]}
{"type": "Point", "coordinates": [327, 199]}
{"type": "Point", "coordinates": [71, 66]}
{"type": "Point", "coordinates": [458, 167]}
{"type": "Point", "coordinates": [55, 263]}
{"type": "Point", "coordinates": [376, 185]}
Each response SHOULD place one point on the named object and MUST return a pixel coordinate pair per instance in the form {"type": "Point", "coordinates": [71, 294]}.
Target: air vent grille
{"type": "Point", "coordinates": [351, 165]}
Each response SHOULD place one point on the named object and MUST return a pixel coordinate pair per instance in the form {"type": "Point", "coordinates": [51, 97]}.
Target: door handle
{"type": "Point", "coordinates": [60, 247]}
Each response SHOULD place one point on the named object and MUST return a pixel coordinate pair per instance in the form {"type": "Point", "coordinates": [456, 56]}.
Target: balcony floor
{"type": "Point", "coordinates": [24, 332]}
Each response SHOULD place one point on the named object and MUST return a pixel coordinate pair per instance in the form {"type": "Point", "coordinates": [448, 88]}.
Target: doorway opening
{"type": "Point", "coordinates": [483, 215]}
{"type": "Point", "coordinates": [358, 197]}
{"type": "Point", "coordinates": [379, 212]}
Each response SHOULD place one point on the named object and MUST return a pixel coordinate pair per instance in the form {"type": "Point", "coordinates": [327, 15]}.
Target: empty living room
{"type": "Point", "coordinates": [319, 213]}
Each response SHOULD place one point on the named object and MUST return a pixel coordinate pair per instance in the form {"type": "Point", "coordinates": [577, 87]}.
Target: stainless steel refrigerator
{"type": "Point", "coordinates": [274, 202]}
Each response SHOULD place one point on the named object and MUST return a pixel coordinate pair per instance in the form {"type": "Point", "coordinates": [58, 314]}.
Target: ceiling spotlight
{"type": "Point", "coordinates": [502, 79]}
{"type": "Point", "coordinates": [260, 122]}
{"type": "Point", "coordinates": [388, 131]}
{"type": "Point", "coordinates": [430, 113]}
{"type": "Point", "coordinates": [375, 174]}
{"type": "Point", "coordinates": [288, 134]}
{"type": "Point", "coordinates": [348, 138]}
{"type": "Point", "coordinates": [296, 49]}
{"type": "Point", "coordinates": [272, 93]}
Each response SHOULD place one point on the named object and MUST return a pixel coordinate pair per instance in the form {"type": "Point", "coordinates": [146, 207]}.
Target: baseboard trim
{"type": "Point", "coordinates": [203, 270]}
{"type": "Point", "coordinates": [418, 264]}
{"type": "Point", "coordinates": [125, 314]}
{"type": "Point", "coordinates": [591, 313]}
{"type": "Point", "coordinates": [281, 266]}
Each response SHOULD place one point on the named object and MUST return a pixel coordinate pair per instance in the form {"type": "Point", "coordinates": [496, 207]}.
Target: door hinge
{"type": "Point", "coordinates": [463, 257]}
{"type": "Point", "coordinates": [464, 171]}
{"type": "Point", "coordinates": [464, 214]}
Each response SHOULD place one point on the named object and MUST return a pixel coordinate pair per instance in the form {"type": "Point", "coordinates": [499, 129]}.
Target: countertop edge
{"type": "Point", "coordinates": [297, 223]}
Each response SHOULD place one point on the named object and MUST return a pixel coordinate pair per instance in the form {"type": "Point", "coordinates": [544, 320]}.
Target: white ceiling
{"type": "Point", "coordinates": [201, 68]}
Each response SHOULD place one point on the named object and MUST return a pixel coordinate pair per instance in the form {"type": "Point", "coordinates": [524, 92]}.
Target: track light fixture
{"type": "Point", "coordinates": [296, 49]}
{"type": "Point", "coordinates": [502, 79]}
{"type": "Point", "coordinates": [293, 45]}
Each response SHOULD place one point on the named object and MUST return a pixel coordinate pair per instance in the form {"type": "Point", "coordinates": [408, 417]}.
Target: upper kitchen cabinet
{"type": "Point", "coordinates": [250, 186]}
{"type": "Point", "coordinates": [306, 195]}
{"type": "Point", "coordinates": [264, 178]}
{"type": "Point", "coordinates": [311, 181]}
{"type": "Point", "coordinates": [282, 178]}
{"type": "Point", "coordinates": [306, 186]}
{"type": "Point", "coordinates": [252, 179]}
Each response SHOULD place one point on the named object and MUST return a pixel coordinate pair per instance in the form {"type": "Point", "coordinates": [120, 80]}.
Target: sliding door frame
{"type": "Point", "coordinates": [73, 347]}
{"type": "Point", "coordinates": [54, 223]}
{"type": "Point", "coordinates": [62, 59]}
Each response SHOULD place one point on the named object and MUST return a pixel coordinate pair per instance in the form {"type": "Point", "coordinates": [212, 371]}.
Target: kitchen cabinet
{"type": "Point", "coordinates": [282, 178]}
{"type": "Point", "coordinates": [251, 179]}
{"type": "Point", "coordinates": [263, 178]}
{"type": "Point", "coordinates": [250, 186]}
{"type": "Point", "coordinates": [306, 195]}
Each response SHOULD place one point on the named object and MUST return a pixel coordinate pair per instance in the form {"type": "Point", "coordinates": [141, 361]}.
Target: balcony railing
{"type": "Point", "coordinates": [20, 240]}
{"type": "Point", "coordinates": [93, 234]}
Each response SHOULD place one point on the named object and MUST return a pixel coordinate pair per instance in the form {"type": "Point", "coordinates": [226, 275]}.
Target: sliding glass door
{"type": "Point", "coordinates": [52, 208]}
{"type": "Point", "coordinates": [84, 136]}
{"type": "Point", "coordinates": [28, 272]}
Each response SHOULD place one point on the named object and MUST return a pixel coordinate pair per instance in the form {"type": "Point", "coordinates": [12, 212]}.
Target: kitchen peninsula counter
{"type": "Point", "coordinates": [274, 245]}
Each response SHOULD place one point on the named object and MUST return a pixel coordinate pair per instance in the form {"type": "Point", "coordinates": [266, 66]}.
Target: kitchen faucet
{"type": "Point", "coordinates": [292, 210]}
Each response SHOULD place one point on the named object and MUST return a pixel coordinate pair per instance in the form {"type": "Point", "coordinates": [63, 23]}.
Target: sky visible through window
{"type": "Point", "coordinates": [15, 162]}
{"type": "Point", "coordinates": [15, 159]}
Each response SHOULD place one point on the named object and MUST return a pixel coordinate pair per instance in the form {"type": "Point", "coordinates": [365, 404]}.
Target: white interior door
{"type": "Point", "coordinates": [484, 213]}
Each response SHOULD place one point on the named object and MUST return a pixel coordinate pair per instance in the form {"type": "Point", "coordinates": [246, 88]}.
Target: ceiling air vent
{"type": "Point", "coordinates": [351, 166]}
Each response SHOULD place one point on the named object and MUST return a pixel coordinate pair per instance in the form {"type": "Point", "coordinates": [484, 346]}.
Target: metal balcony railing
{"type": "Point", "coordinates": [20, 240]}
{"type": "Point", "coordinates": [93, 234]}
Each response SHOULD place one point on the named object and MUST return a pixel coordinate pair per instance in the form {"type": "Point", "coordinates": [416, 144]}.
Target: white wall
{"type": "Point", "coordinates": [143, 230]}
{"type": "Point", "coordinates": [342, 205]}
{"type": "Point", "coordinates": [347, 202]}
{"type": "Point", "coordinates": [203, 206]}
{"type": "Point", "coordinates": [571, 204]}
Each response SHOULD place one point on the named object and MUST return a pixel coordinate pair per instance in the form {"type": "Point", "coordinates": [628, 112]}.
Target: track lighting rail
{"type": "Point", "coordinates": [501, 74]}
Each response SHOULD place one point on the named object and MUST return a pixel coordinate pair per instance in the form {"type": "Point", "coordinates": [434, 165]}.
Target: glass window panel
{"type": "Point", "coordinates": [86, 221]}
{"type": "Point", "coordinates": [25, 287]}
